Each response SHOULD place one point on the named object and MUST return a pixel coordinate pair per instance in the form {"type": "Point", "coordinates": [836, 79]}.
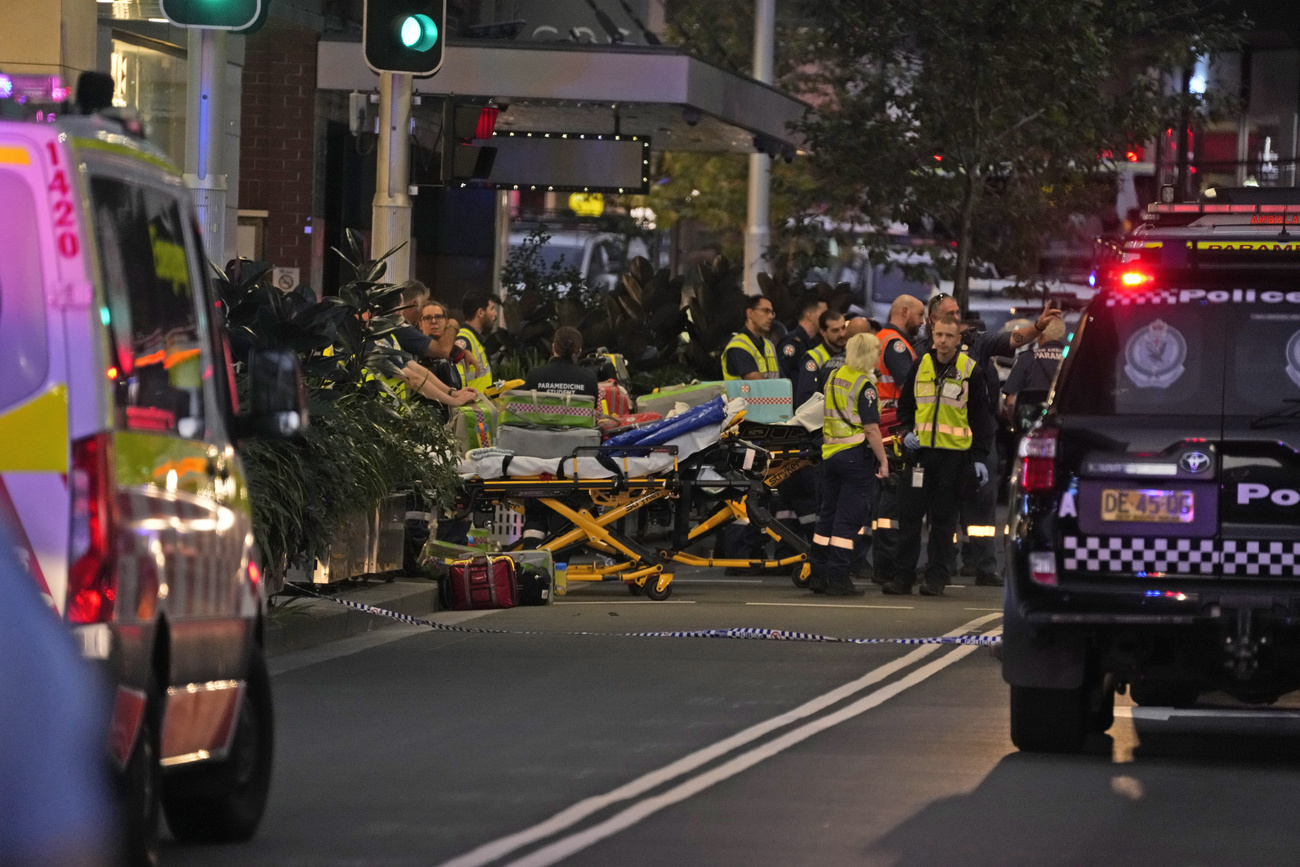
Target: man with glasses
{"type": "Point", "coordinates": [441, 329]}
{"type": "Point", "coordinates": [412, 337]}
{"type": "Point", "coordinates": [750, 355]}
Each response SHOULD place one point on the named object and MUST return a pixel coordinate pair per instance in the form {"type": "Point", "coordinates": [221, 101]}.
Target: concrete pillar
{"type": "Point", "coordinates": [58, 39]}
{"type": "Point", "coordinates": [757, 234]}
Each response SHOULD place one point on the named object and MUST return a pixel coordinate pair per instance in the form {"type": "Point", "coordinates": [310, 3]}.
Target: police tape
{"type": "Point", "coordinates": [739, 632]}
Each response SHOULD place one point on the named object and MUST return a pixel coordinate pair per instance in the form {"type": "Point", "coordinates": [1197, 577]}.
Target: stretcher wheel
{"type": "Point", "coordinates": [802, 575]}
{"type": "Point", "coordinates": [634, 588]}
{"type": "Point", "coordinates": [651, 591]}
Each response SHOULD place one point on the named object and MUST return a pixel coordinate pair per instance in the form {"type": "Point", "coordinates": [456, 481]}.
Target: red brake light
{"type": "Point", "coordinates": [487, 121]}
{"type": "Point", "coordinates": [1134, 278]}
{"type": "Point", "coordinates": [92, 581]}
{"type": "Point", "coordinates": [1038, 461]}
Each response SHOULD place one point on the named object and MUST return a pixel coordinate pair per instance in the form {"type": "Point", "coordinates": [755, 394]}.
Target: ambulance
{"type": "Point", "coordinates": [120, 484]}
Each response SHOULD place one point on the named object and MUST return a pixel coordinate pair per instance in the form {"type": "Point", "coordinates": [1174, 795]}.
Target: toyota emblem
{"type": "Point", "coordinates": [1195, 462]}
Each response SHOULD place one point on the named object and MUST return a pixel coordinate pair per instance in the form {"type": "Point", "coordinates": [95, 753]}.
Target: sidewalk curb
{"type": "Point", "coordinates": [314, 622]}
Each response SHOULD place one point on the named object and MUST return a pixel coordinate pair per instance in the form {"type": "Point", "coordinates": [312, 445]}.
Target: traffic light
{"type": "Point", "coordinates": [463, 125]}
{"type": "Point", "coordinates": [404, 35]}
{"type": "Point", "coordinates": [240, 15]}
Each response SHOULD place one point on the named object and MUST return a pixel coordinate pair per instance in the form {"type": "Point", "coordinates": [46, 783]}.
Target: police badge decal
{"type": "Point", "coordinates": [1154, 355]}
{"type": "Point", "coordinates": [1293, 358]}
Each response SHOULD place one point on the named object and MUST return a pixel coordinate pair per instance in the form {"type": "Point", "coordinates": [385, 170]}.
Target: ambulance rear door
{"type": "Point", "coordinates": [34, 400]}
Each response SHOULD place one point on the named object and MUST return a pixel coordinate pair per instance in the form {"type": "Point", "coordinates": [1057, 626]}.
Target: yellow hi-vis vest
{"type": "Point", "coordinates": [942, 420]}
{"type": "Point", "coordinates": [842, 426]}
{"type": "Point", "coordinates": [479, 378]}
{"type": "Point", "coordinates": [766, 362]}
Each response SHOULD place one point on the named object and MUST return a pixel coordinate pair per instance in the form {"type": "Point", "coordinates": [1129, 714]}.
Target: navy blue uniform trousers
{"type": "Point", "coordinates": [848, 500]}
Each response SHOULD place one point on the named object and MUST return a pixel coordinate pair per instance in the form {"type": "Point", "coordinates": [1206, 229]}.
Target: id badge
{"type": "Point", "coordinates": [918, 477]}
{"type": "Point", "coordinates": [952, 390]}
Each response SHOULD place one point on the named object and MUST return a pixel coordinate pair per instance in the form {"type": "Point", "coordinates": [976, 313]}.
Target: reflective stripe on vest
{"type": "Point", "coordinates": [941, 407]}
{"type": "Point", "coordinates": [766, 362]}
{"type": "Point", "coordinates": [819, 354]}
{"type": "Point", "coordinates": [842, 426]}
{"type": "Point", "coordinates": [479, 377]}
{"type": "Point", "coordinates": [886, 387]}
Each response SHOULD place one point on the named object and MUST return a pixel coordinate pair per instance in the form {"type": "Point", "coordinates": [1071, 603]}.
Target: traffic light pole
{"type": "Point", "coordinates": [205, 130]}
{"type": "Point", "coordinates": [391, 211]}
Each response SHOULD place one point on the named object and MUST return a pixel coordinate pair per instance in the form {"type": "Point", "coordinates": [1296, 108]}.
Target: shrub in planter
{"type": "Point", "coordinates": [364, 441]}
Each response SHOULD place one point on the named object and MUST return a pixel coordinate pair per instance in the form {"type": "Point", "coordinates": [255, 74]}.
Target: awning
{"type": "Point", "coordinates": [680, 102]}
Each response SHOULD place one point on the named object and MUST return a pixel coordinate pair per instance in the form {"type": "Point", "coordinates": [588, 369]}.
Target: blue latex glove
{"type": "Point", "coordinates": [911, 442]}
{"type": "Point", "coordinates": [981, 474]}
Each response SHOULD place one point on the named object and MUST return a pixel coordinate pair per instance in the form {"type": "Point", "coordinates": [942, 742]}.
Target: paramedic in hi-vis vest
{"type": "Point", "coordinates": [906, 316]}
{"type": "Point", "coordinates": [853, 460]}
{"type": "Point", "coordinates": [945, 411]}
{"type": "Point", "coordinates": [480, 315]}
{"type": "Point", "coordinates": [750, 355]}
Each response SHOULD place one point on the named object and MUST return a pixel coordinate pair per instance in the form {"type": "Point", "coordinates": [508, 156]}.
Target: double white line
{"type": "Point", "coordinates": [571, 816]}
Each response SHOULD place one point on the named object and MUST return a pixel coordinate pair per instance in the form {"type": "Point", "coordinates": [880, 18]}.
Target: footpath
{"type": "Point", "coordinates": [300, 622]}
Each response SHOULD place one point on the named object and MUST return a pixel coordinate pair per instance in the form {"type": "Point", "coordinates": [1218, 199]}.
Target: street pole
{"type": "Point", "coordinates": [391, 211]}
{"type": "Point", "coordinates": [205, 136]}
{"type": "Point", "coordinates": [757, 235]}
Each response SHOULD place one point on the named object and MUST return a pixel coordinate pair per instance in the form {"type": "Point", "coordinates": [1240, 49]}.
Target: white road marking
{"type": "Point", "coordinates": [981, 609]}
{"type": "Point", "coordinates": [563, 848]}
{"type": "Point", "coordinates": [1164, 714]}
{"type": "Point", "coordinates": [835, 605]}
{"type": "Point", "coordinates": [570, 816]}
{"type": "Point", "coordinates": [631, 602]}
{"type": "Point", "coordinates": [356, 643]}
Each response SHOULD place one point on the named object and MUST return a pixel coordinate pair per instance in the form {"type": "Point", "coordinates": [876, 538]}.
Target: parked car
{"type": "Point", "coordinates": [600, 257]}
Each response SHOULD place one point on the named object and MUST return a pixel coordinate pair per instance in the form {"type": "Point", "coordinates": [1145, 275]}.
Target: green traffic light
{"type": "Point", "coordinates": [418, 32]}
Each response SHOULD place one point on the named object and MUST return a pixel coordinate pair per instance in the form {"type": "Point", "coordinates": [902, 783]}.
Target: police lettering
{"type": "Point", "coordinates": [1250, 491]}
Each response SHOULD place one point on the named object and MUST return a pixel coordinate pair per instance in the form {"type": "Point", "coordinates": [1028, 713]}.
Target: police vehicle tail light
{"type": "Point", "coordinates": [1038, 461]}
{"type": "Point", "coordinates": [1133, 279]}
{"type": "Point", "coordinates": [92, 581]}
{"type": "Point", "coordinates": [1042, 568]}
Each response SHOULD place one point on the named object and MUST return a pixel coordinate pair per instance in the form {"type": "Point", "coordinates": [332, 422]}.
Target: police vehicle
{"type": "Point", "coordinates": [119, 478]}
{"type": "Point", "coordinates": [1154, 539]}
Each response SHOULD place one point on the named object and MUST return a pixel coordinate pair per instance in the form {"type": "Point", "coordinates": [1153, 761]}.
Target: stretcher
{"type": "Point", "coordinates": [593, 492]}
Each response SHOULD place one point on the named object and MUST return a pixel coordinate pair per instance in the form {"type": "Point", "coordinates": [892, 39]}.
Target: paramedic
{"type": "Point", "coordinates": [750, 355]}
{"type": "Point", "coordinates": [480, 311]}
{"type": "Point", "coordinates": [854, 460]}
{"type": "Point", "coordinates": [562, 374]}
{"type": "Point", "coordinates": [802, 338]}
{"type": "Point", "coordinates": [947, 422]}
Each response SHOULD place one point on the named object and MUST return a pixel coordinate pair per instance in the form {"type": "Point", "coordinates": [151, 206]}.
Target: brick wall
{"type": "Point", "coordinates": [278, 139]}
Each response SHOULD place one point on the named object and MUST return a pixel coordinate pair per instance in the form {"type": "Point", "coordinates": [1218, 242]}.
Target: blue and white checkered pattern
{"type": "Point", "coordinates": [1131, 554]}
{"type": "Point", "coordinates": [1148, 296]}
{"type": "Point", "coordinates": [1261, 558]}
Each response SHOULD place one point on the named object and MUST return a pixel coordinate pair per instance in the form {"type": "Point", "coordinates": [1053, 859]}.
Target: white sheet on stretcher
{"type": "Point", "coordinates": [591, 468]}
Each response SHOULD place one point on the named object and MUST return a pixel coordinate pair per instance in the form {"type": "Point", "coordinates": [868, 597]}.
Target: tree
{"type": "Point", "coordinates": [989, 117]}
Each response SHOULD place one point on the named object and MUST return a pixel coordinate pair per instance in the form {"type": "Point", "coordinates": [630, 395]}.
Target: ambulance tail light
{"type": "Point", "coordinates": [92, 579]}
{"type": "Point", "coordinates": [1038, 461]}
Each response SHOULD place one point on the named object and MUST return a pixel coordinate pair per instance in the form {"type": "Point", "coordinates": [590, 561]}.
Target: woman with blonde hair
{"type": "Point", "coordinates": [853, 459]}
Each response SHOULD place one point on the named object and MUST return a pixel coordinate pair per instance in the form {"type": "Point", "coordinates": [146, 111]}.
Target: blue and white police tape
{"type": "Point", "coordinates": [743, 632]}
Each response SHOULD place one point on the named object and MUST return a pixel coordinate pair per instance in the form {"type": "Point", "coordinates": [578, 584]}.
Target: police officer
{"type": "Point", "coordinates": [944, 410]}
{"type": "Point", "coordinates": [1034, 370]}
{"type": "Point", "coordinates": [480, 312]}
{"type": "Point", "coordinates": [749, 354]}
{"type": "Point", "coordinates": [906, 316]}
{"type": "Point", "coordinates": [979, 511]}
{"type": "Point", "coordinates": [853, 457]}
{"type": "Point", "coordinates": [803, 337]}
